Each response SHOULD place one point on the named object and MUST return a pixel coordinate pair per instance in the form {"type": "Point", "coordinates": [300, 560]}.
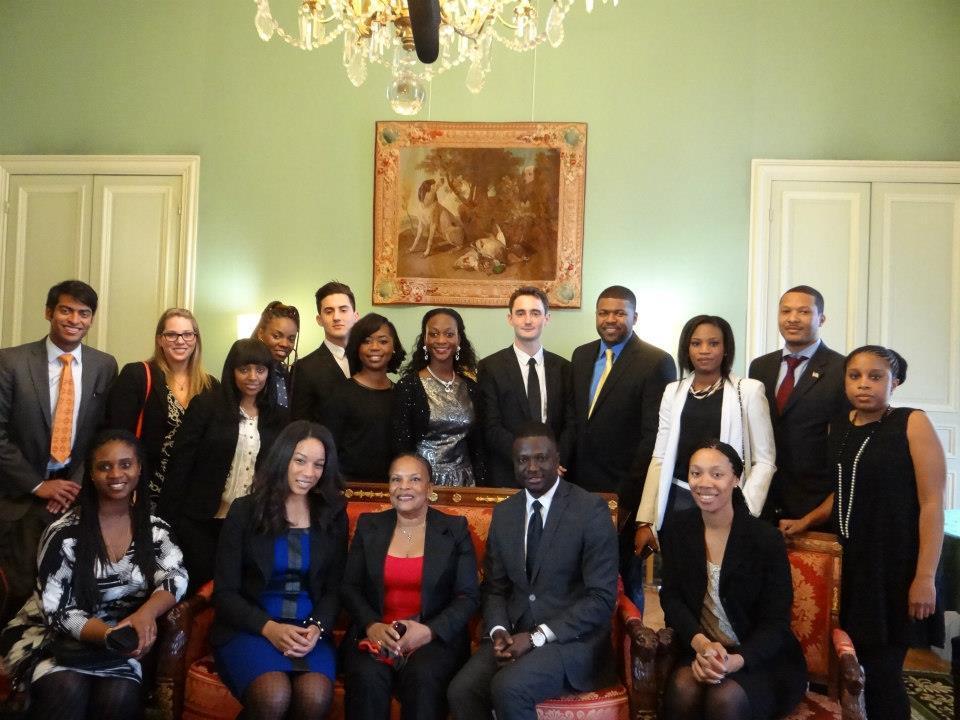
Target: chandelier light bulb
{"type": "Point", "coordinates": [406, 94]}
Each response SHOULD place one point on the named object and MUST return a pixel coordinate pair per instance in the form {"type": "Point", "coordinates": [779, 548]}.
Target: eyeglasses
{"type": "Point", "coordinates": [172, 337]}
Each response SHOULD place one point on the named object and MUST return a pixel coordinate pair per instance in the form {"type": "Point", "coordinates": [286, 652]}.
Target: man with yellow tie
{"type": "Point", "coordinates": [618, 382]}
{"type": "Point", "coordinates": [52, 393]}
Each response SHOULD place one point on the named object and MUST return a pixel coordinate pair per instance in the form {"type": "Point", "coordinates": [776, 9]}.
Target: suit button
{"type": "Point", "coordinates": [532, 598]}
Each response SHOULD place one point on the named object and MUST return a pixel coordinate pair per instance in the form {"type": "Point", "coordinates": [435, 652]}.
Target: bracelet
{"type": "Point", "coordinates": [316, 623]}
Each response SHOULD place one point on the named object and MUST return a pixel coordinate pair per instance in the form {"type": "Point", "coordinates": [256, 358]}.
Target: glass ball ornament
{"type": "Point", "coordinates": [406, 94]}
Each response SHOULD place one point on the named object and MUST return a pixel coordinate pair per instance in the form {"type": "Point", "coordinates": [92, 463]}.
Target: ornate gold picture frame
{"type": "Point", "coordinates": [464, 213]}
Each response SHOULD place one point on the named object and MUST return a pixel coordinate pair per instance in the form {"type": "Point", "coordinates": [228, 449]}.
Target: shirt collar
{"type": "Point", "coordinates": [617, 349]}
{"type": "Point", "coordinates": [54, 353]}
{"type": "Point", "coordinates": [808, 352]}
{"type": "Point", "coordinates": [338, 352]}
{"type": "Point", "coordinates": [544, 499]}
{"type": "Point", "coordinates": [523, 358]}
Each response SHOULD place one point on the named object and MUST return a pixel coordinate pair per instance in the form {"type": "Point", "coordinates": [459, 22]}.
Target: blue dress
{"type": "Point", "coordinates": [246, 657]}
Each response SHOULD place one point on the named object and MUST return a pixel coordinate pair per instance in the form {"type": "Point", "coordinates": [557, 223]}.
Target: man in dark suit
{"type": "Point", "coordinates": [315, 374]}
{"type": "Point", "coordinates": [804, 384]}
{"type": "Point", "coordinates": [549, 590]}
{"type": "Point", "coordinates": [52, 394]}
{"type": "Point", "coordinates": [618, 382]}
{"type": "Point", "coordinates": [521, 383]}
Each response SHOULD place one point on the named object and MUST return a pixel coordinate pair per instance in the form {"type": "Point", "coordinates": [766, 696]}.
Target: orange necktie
{"type": "Point", "coordinates": [60, 438]}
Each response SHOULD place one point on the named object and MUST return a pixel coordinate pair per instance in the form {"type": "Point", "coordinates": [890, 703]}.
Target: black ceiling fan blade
{"type": "Point", "coordinates": [425, 23]}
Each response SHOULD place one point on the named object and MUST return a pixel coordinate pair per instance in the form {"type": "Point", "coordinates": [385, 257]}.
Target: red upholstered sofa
{"type": "Point", "coordinates": [815, 561]}
{"type": "Point", "coordinates": [188, 687]}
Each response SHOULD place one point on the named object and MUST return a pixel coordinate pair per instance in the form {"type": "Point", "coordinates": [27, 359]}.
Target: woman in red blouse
{"type": "Point", "coordinates": [410, 587]}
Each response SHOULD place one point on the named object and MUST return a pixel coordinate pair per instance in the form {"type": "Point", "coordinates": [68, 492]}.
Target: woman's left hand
{"type": "Point", "coordinates": [416, 636]}
{"type": "Point", "coordinates": [311, 636]}
{"type": "Point", "coordinates": [146, 626]}
{"type": "Point", "coordinates": [922, 598]}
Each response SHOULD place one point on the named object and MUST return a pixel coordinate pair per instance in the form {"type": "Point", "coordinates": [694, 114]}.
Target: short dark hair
{"type": "Point", "coordinates": [896, 361]}
{"type": "Point", "coordinates": [532, 291]}
{"type": "Point", "coordinates": [721, 447]}
{"type": "Point", "coordinates": [335, 287]}
{"type": "Point", "coordinates": [534, 428]}
{"type": "Point", "coordinates": [729, 345]}
{"type": "Point", "coordinates": [365, 327]}
{"type": "Point", "coordinates": [416, 456]}
{"type": "Point", "coordinates": [76, 289]}
{"type": "Point", "coordinates": [619, 292]}
{"type": "Point", "coordinates": [807, 290]}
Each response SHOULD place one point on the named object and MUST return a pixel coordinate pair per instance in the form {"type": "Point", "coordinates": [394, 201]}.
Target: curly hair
{"type": "Point", "coordinates": [276, 309]}
{"type": "Point", "coordinates": [271, 486]}
{"type": "Point", "coordinates": [364, 328]}
{"type": "Point", "coordinates": [91, 548]}
{"type": "Point", "coordinates": [466, 365]}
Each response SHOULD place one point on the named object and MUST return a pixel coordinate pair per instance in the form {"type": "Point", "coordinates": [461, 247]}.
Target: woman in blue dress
{"type": "Point", "coordinates": [279, 562]}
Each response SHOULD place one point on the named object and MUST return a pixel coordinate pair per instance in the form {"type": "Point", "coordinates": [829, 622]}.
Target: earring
{"type": "Point", "coordinates": [456, 355]}
{"type": "Point", "coordinates": [133, 498]}
{"type": "Point", "coordinates": [426, 355]}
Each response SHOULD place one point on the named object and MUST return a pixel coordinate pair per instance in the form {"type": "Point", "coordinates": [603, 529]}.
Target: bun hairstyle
{"type": "Point", "coordinates": [726, 450]}
{"type": "Point", "coordinates": [896, 362]}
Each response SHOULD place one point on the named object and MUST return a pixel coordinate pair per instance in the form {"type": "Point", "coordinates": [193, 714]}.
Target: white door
{"type": "Point", "coordinates": [47, 240]}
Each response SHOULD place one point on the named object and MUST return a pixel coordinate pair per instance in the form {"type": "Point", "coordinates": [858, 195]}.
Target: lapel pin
{"type": "Point", "coordinates": [815, 375]}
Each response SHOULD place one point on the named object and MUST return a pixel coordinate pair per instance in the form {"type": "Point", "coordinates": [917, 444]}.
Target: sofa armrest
{"type": "Point", "coordinates": [173, 637]}
{"type": "Point", "coordinates": [642, 690]}
{"type": "Point", "coordinates": [851, 678]}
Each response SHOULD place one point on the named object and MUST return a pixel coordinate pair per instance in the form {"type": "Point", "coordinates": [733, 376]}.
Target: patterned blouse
{"type": "Point", "coordinates": [53, 607]}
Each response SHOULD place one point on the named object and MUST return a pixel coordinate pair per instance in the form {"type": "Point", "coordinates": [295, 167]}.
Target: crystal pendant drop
{"type": "Point", "coordinates": [306, 19]}
{"type": "Point", "coordinates": [554, 26]}
{"type": "Point", "coordinates": [406, 94]}
{"type": "Point", "coordinates": [357, 69]}
{"type": "Point", "coordinates": [265, 25]}
{"type": "Point", "coordinates": [476, 76]}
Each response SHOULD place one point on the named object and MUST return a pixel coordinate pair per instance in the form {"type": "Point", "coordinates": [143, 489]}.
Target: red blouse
{"type": "Point", "coordinates": [401, 581]}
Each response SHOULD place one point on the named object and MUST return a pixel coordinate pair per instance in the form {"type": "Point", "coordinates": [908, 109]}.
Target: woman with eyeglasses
{"type": "Point", "coordinates": [278, 329]}
{"type": "Point", "coordinates": [149, 398]}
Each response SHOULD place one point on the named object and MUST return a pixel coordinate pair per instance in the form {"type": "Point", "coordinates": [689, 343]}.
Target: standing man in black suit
{"type": "Point", "coordinates": [523, 383]}
{"type": "Point", "coordinates": [52, 395]}
{"type": "Point", "coordinates": [804, 384]}
{"type": "Point", "coordinates": [618, 382]}
{"type": "Point", "coordinates": [549, 590]}
{"type": "Point", "coordinates": [315, 375]}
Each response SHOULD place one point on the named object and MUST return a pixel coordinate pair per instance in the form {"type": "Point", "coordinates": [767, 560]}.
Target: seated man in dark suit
{"type": "Point", "coordinates": [804, 384]}
{"type": "Point", "coordinates": [315, 374]}
{"type": "Point", "coordinates": [549, 590]}
{"type": "Point", "coordinates": [521, 383]}
{"type": "Point", "coordinates": [52, 395]}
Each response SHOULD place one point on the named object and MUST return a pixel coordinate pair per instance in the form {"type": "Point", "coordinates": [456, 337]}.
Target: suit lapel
{"type": "Point", "coordinates": [737, 548]}
{"type": "Point", "coordinates": [263, 553]}
{"type": "Point", "coordinates": [41, 379]}
{"type": "Point", "coordinates": [583, 374]}
{"type": "Point", "coordinates": [515, 380]}
{"type": "Point", "coordinates": [515, 527]}
{"type": "Point", "coordinates": [376, 549]}
{"type": "Point", "coordinates": [436, 550]}
{"type": "Point", "coordinates": [811, 376]}
{"type": "Point", "coordinates": [557, 507]}
{"type": "Point", "coordinates": [88, 373]}
{"type": "Point", "coordinates": [769, 369]}
{"type": "Point", "coordinates": [621, 367]}
{"type": "Point", "coordinates": [551, 369]}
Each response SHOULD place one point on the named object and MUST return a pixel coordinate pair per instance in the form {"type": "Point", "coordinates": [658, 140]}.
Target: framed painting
{"type": "Point", "coordinates": [464, 213]}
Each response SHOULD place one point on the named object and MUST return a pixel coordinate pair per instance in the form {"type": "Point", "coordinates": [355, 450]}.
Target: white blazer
{"type": "Point", "coordinates": [744, 406]}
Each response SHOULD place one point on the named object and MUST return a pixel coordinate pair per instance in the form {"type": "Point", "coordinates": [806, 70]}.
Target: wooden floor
{"type": "Point", "coordinates": [916, 659]}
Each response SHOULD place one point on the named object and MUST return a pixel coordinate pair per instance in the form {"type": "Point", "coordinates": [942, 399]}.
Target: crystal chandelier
{"type": "Point", "coordinates": [379, 31]}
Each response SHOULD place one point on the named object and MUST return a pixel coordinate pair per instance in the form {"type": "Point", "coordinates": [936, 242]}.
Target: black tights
{"type": "Point", "coordinates": [70, 695]}
{"type": "Point", "coordinates": [884, 693]}
{"type": "Point", "coordinates": [688, 699]}
{"type": "Point", "coordinates": [295, 696]}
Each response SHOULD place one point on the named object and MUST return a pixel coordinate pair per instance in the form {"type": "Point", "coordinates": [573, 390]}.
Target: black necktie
{"type": "Point", "coordinates": [533, 391]}
{"type": "Point", "coordinates": [534, 533]}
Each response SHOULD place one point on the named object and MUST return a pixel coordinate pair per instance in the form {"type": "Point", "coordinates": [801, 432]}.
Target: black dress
{"type": "Point", "coordinates": [881, 546]}
{"type": "Point", "coordinates": [359, 418]}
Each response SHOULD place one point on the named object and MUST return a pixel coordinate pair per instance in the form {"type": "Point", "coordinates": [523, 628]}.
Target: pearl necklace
{"type": "Point", "coordinates": [446, 384]}
{"type": "Point", "coordinates": [844, 517]}
{"type": "Point", "coordinates": [708, 391]}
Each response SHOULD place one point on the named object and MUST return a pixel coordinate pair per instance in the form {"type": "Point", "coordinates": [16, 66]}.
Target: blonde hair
{"type": "Point", "coordinates": [199, 379]}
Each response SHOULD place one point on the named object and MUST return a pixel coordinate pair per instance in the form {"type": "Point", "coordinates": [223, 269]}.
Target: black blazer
{"type": "Point", "coordinates": [804, 476]}
{"type": "Point", "coordinates": [755, 587]}
{"type": "Point", "coordinates": [504, 409]}
{"type": "Point", "coordinates": [448, 590]}
{"type": "Point", "coordinates": [411, 420]}
{"type": "Point", "coordinates": [202, 453]}
{"type": "Point", "coordinates": [245, 564]}
{"type": "Point", "coordinates": [128, 395]}
{"type": "Point", "coordinates": [573, 590]}
{"type": "Point", "coordinates": [312, 378]}
{"type": "Point", "coordinates": [614, 445]}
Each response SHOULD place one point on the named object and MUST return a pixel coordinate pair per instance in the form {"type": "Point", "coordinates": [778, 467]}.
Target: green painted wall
{"type": "Point", "coordinates": [679, 95]}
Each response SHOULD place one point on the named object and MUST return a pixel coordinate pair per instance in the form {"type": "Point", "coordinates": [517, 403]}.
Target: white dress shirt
{"type": "Point", "coordinates": [524, 359]}
{"type": "Point", "coordinates": [340, 355]}
{"type": "Point", "coordinates": [54, 368]}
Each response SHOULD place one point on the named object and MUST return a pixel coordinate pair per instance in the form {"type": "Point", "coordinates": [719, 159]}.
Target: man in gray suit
{"type": "Point", "coordinates": [549, 590]}
{"type": "Point", "coordinates": [52, 393]}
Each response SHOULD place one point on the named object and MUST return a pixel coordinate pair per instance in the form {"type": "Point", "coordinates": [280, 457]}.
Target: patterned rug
{"type": "Point", "coordinates": [931, 695]}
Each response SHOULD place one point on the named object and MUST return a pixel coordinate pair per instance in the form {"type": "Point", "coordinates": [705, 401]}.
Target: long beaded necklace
{"type": "Point", "coordinates": [845, 516]}
{"type": "Point", "coordinates": [447, 384]}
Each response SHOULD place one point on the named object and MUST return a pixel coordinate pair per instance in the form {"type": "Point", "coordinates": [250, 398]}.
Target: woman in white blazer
{"type": "Point", "coordinates": [709, 401]}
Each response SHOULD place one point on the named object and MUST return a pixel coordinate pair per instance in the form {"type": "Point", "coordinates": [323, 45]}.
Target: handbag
{"type": "Point", "coordinates": [146, 396]}
{"type": "Point", "coordinates": [72, 653]}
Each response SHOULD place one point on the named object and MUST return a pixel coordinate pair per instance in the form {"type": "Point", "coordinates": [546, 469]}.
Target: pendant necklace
{"type": "Point", "coordinates": [844, 517]}
{"type": "Point", "coordinates": [446, 384]}
{"type": "Point", "coordinates": [406, 532]}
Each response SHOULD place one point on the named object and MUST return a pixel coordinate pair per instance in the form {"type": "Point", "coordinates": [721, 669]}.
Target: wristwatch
{"type": "Point", "coordinates": [538, 638]}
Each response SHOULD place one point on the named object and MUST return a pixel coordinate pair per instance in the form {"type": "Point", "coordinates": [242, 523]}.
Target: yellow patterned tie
{"type": "Point", "coordinates": [60, 438]}
{"type": "Point", "coordinates": [603, 379]}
